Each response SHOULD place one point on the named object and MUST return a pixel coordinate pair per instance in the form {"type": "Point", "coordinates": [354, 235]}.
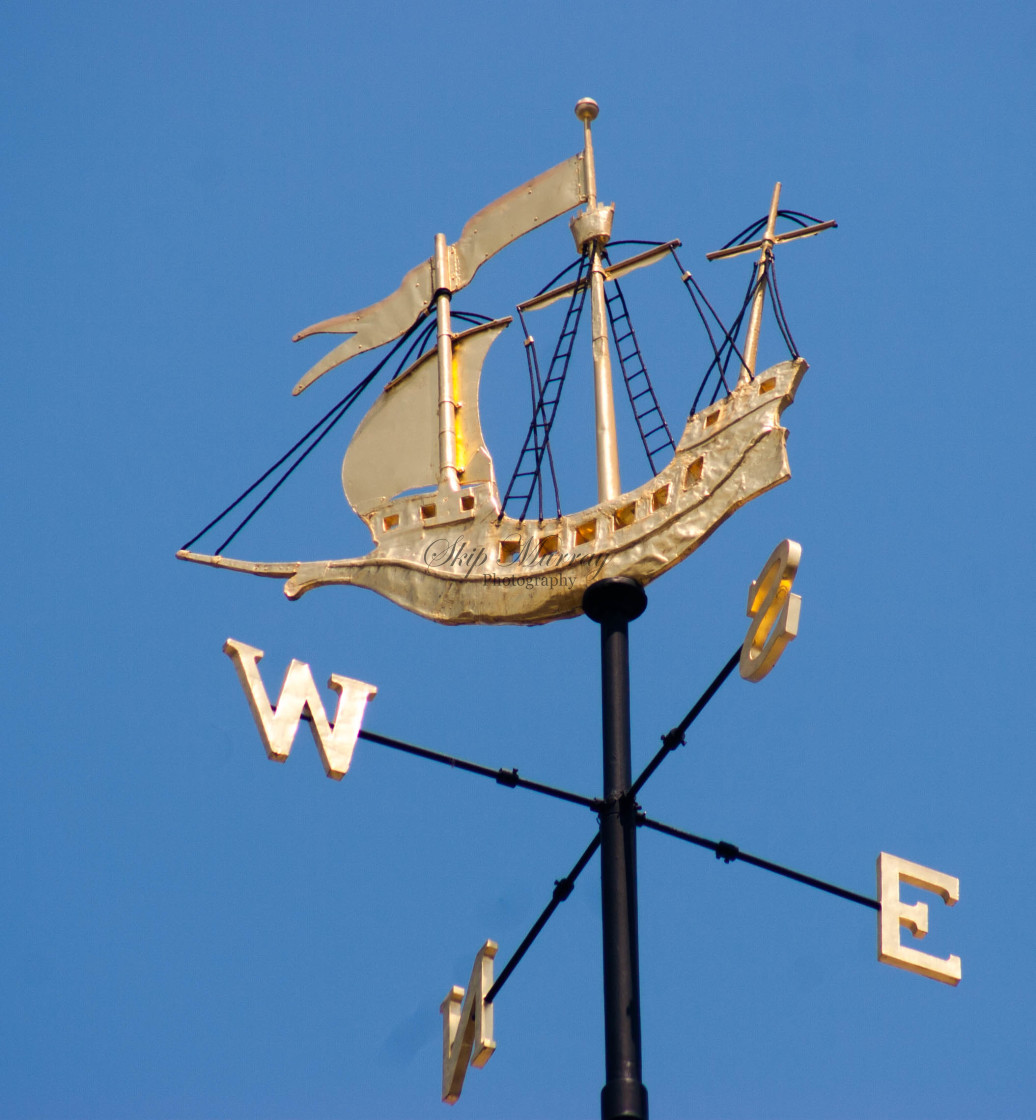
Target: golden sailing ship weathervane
{"type": "Point", "coordinates": [419, 474]}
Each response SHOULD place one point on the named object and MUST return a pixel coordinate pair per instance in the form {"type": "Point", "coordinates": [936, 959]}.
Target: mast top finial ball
{"type": "Point", "coordinates": [586, 109]}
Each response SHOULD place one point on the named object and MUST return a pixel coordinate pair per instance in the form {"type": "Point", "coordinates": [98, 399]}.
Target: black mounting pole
{"type": "Point", "coordinates": [613, 604]}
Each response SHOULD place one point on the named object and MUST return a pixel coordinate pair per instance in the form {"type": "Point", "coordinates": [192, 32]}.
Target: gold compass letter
{"type": "Point", "coordinates": [467, 1025]}
{"type": "Point", "coordinates": [894, 913]}
{"type": "Point", "coordinates": [774, 612]}
{"type": "Point", "coordinates": [277, 726]}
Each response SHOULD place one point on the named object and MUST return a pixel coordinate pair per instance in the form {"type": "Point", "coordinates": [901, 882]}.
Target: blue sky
{"type": "Point", "coordinates": [190, 931]}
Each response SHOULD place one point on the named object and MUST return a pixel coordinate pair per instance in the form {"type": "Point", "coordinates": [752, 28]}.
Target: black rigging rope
{"type": "Point", "coordinates": [746, 234]}
{"type": "Point", "coordinates": [735, 330]}
{"type": "Point", "coordinates": [564, 272]}
{"type": "Point", "coordinates": [631, 361]}
{"type": "Point", "coordinates": [797, 216]}
{"type": "Point", "coordinates": [327, 422]}
{"type": "Point", "coordinates": [687, 279]}
{"type": "Point", "coordinates": [749, 232]}
{"type": "Point", "coordinates": [778, 307]}
{"type": "Point", "coordinates": [635, 241]}
{"type": "Point", "coordinates": [724, 352]}
{"type": "Point", "coordinates": [330, 419]}
{"type": "Point", "coordinates": [535, 392]}
{"type": "Point", "coordinates": [417, 346]}
{"type": "Point", "coordinates": [727, 350]}
{"type": "Point", "coordinates": [537, 439]}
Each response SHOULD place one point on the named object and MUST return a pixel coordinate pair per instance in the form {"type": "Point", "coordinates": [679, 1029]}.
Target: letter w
{"type": "Point", "coordinates": [277, 726]}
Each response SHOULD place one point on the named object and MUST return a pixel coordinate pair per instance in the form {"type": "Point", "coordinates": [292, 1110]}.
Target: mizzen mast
{"type": "Point", "coordinates": [592, 228]}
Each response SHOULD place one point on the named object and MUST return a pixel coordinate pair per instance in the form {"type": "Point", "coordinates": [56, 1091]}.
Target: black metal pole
{"type": "Point", "coordinates": [613, 604]}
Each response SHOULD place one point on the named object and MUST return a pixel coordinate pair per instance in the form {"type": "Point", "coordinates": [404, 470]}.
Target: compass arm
{"type": "Point", "coordinates": [675, 738]}
{"type": "Point", "coordinates": [730, 852]}
{"type": "Point", "coordinates": [562, 889]}
{"type": "Point", "coordinates": [509, 778]}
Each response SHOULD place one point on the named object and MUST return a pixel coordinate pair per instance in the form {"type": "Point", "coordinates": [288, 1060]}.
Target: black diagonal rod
{"type": "Point", "coordinates": [562, 889]}
{"type": "Point", "coordinates": [730, 852]}
{"type": "Point", "coordinates": [509, 778]}
{"type": "Point", "coordinates": [673, 739]}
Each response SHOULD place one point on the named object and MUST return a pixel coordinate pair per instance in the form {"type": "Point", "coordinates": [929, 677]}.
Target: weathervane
{"type": "Point", "coordinates": [449, 548]}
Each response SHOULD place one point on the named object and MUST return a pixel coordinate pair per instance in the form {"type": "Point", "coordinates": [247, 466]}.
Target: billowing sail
{"type": "Point", "coordinates": [490, 230]}
{"type": "Point", "coordinates": [396, 446]}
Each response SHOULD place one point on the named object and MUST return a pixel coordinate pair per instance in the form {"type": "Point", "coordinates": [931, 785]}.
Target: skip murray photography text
{"type": "Point", "coordinates": [525, 568]}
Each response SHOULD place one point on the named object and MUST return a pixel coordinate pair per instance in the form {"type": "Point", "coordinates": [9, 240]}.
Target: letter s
{"type": "Point", "coordinates": [774, 612]}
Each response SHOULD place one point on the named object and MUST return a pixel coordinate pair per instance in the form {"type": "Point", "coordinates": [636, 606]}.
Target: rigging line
{"type": "Point", "coordinates": [418, 344]}
{"type": "Point", "coordinates": [782, 319]}
{"type": "Point", "coordinates": [422, 339]}
{"type": "Point", "coordinates": [731, 852]}
{"type": "Point", "coordinates": [346, 403]}
{"type": "Point", "coordinates": [685, 276]}
{"type": "Point", "coordinates": [781, 325]}
{"type": "Point", "coordinates": [350, 400]}
{"type": "Point", "coordinates": [746, 234]}
{"type": "Point", "coordinates": [701, 292]}
{"type": "Point", "coordinates": [575, 308]}
{"type": "Point", "coordinates": [735, 330]}
{"type": "Point", "coordinates": [536, 388]}
{"type": "Point", "coordinates": [634, 359]}
{"type": "Point", "coordinates": [564, 272]}
{"type": "Point", "coordinates": [675, 738]}
{"type": "Point", "coordinates": [634, 241]}
{"type": "Point", "coordinates": [749, 232]}
{"type": "Point", "coordinates": [509, 778]}
{"type": "Point", "coordinates": [535, 391]}
{"type": "Point", "coordinates": [263, 477]}
{"type": "Point", "coordinates": [731, 349]}
{"type": "Point", "coordinates": [798, 216]}
{"type": "Point", "coordinates": [546, 409]}
{"type": "Point", "coordinates": [568, 268]}
{"type": "Point", "coordinates": [562, 889]}
{"type": "Point", "coordinates": [729, 336]}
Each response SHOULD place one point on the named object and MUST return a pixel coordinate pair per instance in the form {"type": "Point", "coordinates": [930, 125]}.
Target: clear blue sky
{"type": "Point", "coordinates": [191, 931]}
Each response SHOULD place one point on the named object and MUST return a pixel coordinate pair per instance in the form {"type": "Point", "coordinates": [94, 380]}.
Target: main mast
{"type": "Point", "coordinates": [592, 230]}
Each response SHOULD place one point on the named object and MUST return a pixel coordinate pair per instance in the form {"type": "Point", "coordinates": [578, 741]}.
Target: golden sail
{"type": "Point", "coordinates": [396, 446]}
{"type": "Point", "coordinates": [493, 228]}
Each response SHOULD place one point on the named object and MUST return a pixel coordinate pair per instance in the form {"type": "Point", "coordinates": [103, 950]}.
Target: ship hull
{"type": "Point", "coordinates": [453, 559]}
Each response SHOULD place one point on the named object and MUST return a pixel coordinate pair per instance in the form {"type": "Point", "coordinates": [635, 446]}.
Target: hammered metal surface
{"type": "Point", "coordinates": [516, 213]}
{"type": "Point", "coordinates": [894, 915]}
{"type": "Point", "coordinates": [396, 445]}
{"type": "Point", "coordinates": [463, 563]}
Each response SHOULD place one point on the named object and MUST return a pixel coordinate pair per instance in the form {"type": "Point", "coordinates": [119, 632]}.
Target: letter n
{"type": "Point", "coordinates": [277, 726]}
{"type": "Point", "coordinates": [467, 1025]}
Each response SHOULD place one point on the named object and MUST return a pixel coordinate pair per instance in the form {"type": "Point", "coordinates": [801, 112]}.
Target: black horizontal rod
{"type": "Point", "coordinates": [730, 852]}
{"type": "Point", "coordinates": [509, 778]}
{"type": "Point", "coordinates": [562, 889]}
{"type": "Point", "coordinates": [674, 738]}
